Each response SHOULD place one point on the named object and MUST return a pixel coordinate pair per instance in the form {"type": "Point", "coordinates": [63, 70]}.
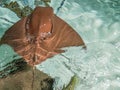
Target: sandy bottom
{"type": "Point", "coordinates": [27, 79]}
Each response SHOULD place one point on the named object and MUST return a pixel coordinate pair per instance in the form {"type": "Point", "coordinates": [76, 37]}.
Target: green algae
{"type": "Point", "coordinates": [25, 11]}
{"type": "Point", "coordinates": [42, 2]}
{"type": "Point", "coordinates": [46, 2]}
{"type": "Point", "coordinates": [20, 12]}
{"type": "Point", "coordinates": [72, 83]}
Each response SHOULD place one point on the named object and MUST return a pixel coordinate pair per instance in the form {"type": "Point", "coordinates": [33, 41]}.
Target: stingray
{"type": "Point", "coordinates": [40, 35]}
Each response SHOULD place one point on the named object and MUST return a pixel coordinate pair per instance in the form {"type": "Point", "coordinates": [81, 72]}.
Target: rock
{"type": "Point", "coordinates": [27, 79]}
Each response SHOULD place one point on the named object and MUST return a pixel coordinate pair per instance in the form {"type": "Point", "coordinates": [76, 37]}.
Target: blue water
{"type": "Point", "coordinates": [98, 23]}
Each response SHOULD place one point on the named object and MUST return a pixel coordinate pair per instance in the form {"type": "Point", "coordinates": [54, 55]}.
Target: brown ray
{"type": "Point", "coordinates": [40, 35]}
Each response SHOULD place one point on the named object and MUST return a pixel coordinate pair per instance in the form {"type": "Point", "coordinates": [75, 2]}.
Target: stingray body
{"type": "Point", "coordinates": [40, 35]}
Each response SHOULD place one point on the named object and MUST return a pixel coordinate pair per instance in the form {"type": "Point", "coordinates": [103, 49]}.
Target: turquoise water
{"type": "Point", "coordinates": [98, 23]}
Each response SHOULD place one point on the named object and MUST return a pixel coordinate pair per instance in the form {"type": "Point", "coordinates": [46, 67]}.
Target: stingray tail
{"type": "Point", "coordinates": [33, 74]}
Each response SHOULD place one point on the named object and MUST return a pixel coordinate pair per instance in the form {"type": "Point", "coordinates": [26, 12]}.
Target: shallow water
{"type": "Point", "coordinates": [98, 23]}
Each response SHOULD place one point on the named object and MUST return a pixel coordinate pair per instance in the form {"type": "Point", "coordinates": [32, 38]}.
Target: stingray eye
{"type": "Point", "coordinates": [27, 23]}
{"type": "Point", "coordinates": [49, 33]}
{"type": "Point", "coordinates": [45, 35]}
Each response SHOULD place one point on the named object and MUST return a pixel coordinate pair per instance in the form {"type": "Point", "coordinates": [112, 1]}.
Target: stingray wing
{"type": "Point", "coordinates": [63, 35]}
{"type": "Point", "coordinates": [15, 36]}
